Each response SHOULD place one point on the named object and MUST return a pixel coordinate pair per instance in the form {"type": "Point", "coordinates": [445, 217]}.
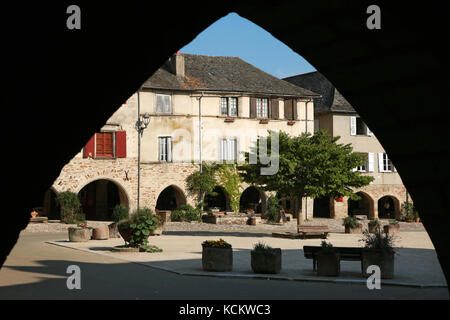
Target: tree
{"type": "Point", "coordinates": [309, 166]}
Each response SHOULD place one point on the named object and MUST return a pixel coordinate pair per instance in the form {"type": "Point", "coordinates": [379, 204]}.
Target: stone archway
{"type": "Point", "coordinates": [322, 208]}
{"type": "Point", "coordinates": [99, 197]}
{"type": "Point", "coordinates": [364, 206]}
{"type": "Point", "coordinates": [389, 207]}
{"type": "Point", "coordinates": [50, 205]}
{"type": "Point", "coordinates": [171, 198]}
{"type": "Point", "coordinates": [253, 198]}
{"type": "Point", "coordinates": [219, 199]}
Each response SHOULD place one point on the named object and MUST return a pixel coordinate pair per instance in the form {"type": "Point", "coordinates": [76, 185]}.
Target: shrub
{"type": "Point", "coordinates": [71, 212]}
{"type": "Point", "coordinates": [327, 247]}
{"type": "Point", "coordinates": [351, 222]}
{"type": "Point", "coordinates": [273, 210]}
{"type": "Point", "coordinates": [262, 247]}
{"type": "Point", "coordinates": [375, 222]}
{"type": "Point", "coordinates": [120, 213]}
{"type": "Point", "coordinates": [216, 244]}
{"type": "Point", "coordinates": [142, 222]}
{"type": "Point", "coordinates": [188, 213]}
{"type": "Point", "coordinates": [409, 210]}
{"type": "Point", "coordinates": [378, 240]}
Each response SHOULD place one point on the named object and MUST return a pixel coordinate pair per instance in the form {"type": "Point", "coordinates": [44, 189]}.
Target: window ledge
{"type": "Point", "coordinates": [290, 123]}
{"type": "Point", "coordinates": [264, 121]}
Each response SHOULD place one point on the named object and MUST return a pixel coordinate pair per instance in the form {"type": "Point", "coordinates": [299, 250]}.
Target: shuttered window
{"type": "Point", "coordinates": [384, 163]}
{"type": "Point", "coordinates": [104, 145]}
{"type": "Point", "coordinates": [262, 108]}
{"type": "Point", "coordinates": [363, 168]}
{"type": "Point", "coordinates": [165, 149]}
{"type": "Point", "coordinates": [228, 106]}
{"type": "Point", "coordinates": [228, 150]}
{"type": "Point", "coordinates": [163, 104]}
{"type": "Point", "coordinates": [290, 109]}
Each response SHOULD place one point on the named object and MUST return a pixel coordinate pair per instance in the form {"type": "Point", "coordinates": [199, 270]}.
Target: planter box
{"type": "Point", "coordinates": [125, 231]}
{"type": "Point", "coordinates": [251, 221]}
{"type": "Point", "coordinates": [266, 261]}
{"type": "Point", "coordinates": [209, 219]}
{"type": "Point", "coordinates": [328, 264]}
{"type": "Point", "coordinates": [391, 228]}
{"type": "Point", "coordinates": [113, 230]}
{"type": "Point", "coordinates": [374, 228]}
{"type": "Point", "coordinates": [358, 229]}
{"type": "Point", "coordinates": [383, 259]}
{"type": "Point", "coordinates": [164, 215]}
{"type": "Point", "coordinates": [157, 232]}
{"type": "Point", "coordinates": [79, 234]}
{"type": "Point", "coordinates": [100, 233]}
{"type": "Point", "coordinates": [217, 259]}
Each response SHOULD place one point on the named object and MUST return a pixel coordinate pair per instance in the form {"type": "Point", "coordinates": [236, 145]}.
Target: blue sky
{"type": "Point", "coordinates": [235, 36]}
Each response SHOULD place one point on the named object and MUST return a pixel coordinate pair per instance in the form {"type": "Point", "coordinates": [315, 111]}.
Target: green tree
{"type": "Point", "coordinates": [309, 166]}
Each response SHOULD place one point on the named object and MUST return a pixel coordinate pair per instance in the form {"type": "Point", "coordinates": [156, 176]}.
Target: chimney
{"type": "Point", "coordinates": [177, 62]}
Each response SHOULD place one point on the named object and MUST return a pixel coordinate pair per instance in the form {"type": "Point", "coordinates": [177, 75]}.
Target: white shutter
{"type": "Point", "coordinates": [223, 152]}
{"type": "Point", "coordinates": [159, 104]}
{"type": "Point", "coordinates": [161, 149]}
{"type": "Point", "coordinates": [353, 126]}
{"type": "Point", "coordinates": [169, 149]}
{"type": "Point", "coordinates": [355, 169]}
{"type": "Point", "coordinates": [371, 162]}
{"type": "Point", "coordinates": [369, 133]}
{"type": "Point", "coordinates": [380, 162]}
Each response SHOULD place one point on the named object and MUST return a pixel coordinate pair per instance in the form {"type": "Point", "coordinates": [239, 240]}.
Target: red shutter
{"type": "Point", "coordinates": [252, 107]}
{"type": "Point", "coordinates": [121, 144]}
{"type": "Point", "coordinates": [89, 148]}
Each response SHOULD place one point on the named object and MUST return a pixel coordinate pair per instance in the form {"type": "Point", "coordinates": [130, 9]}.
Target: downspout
{"type": "Point", "coordinates": [139, 149]}
{"type": "Point", "coordinates": [306, 130]}
{"type": "Point", "coordinates": [200, 130]}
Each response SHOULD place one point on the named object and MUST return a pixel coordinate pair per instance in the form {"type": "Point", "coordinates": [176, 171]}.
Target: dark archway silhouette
{"type": "Point", "coordinates": [363, 206]}
{"type": "Point", "coordinates": [395, 71]}
{"type": "Point", "coordinates": [388, 208]}
{"type": "Point", "coordinates": [218, 199]}
{"type": "Point", "coordinates": [251, 199]}
{"type": "Point", "coordinates": [170, 198]}
{"type": "Point", "coordinates": [51, 207]}
{"type": "Point", "coordinates": [322, 208]}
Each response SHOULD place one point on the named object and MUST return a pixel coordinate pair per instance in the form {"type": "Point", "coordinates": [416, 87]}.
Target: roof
{"type": "Point", "coordinates": [332, 100]}
{"type": "Point", "coordinates": [225, 74]}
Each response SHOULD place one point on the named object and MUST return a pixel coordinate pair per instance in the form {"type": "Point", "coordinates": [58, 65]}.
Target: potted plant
{"type": "Point", "coordinates": [217, 255]}
{"type": "Point", "coordinates": [410, 212]}
{"type": "Point", "coordinates": [136, 230]}
{"type": "Point", "coordinates": [119, 213]}
{"type": "Point", "coordinates": [352, 226]}
{"type": "Point", "coordinates": [378, 250]}
{"type": "Point", "coordinates": [159, 226]}
{"type": "Point", "coordinates": [328, 260]}
{"type": "Point", "coordinates": [374, 225]}
{"type": "Point", "coordinates": [70, 205]}
{"type": "Point", "coordinates": [251, 220]}
{"type": "Point", "coordinates": [392, 227]}
{"type": "Point", "coordinates": [265, 259]}
{"type": "Point", "coordinates": [209, 218]}
{"type": "Point", "coordinates": [80, 233]}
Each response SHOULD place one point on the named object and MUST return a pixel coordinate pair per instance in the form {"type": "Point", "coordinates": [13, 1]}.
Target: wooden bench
{"type": "Point", "coordinates": [346, 253]}
{"type": "Point", "coordinates": [321, 231]}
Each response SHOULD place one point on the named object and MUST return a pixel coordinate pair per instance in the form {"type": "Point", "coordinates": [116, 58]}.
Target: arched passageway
{"type": "Point", "coordinates": [388, 208]}
{"type": "Point", "coordinates": [218, 199]}
{"type": "Point", "coordinates": [170, 198]}
{"type": "Point", "coordinates": [99, 198]}
{"type": "Point", "coordinates": [322, 208]}
{"type": "Point", "coordinates": [363, 206]}
{"type": "Point", "coordinates": [51, 206]}
{"type": "Point", "coordinates": [252, 199]}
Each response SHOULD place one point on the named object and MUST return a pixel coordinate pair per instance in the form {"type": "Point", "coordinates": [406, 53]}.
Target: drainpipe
{"type": "Point", "coordinates": [200, 130]}
{"type": "Point", "coordinates": [139, 150]}
{"type": "Point", "coordinates": [306, 130]}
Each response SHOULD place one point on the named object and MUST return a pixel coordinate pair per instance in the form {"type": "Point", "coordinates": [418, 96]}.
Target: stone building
{"type": "Point", "coordinates": [232, 100]}
{"type": "Point", "coordinates": [384, 196]}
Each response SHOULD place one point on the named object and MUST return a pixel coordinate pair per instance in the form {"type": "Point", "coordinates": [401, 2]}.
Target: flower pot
{"type": "Point", "coordinates": [383, 259]}
{"type": "Point", "coordinates": [417, 219]}
{"type": "Point", "coordinates": [113, 230]}
{"type": "Point", "coordinates": [79, 234]}
{"type": "Point", "coordinates": [268, 261]}
{"type": "Point", "coordinates": [209, 219]}
{"type": "Point", "coordinates": [357, 229]}
{"type": "Point", "coordinates": [373, 228]}
{"type": "Point", "coordinates": [410, 220]}
{"type": "Point", "coordinates": [391, 228]}
{"type": "Point", "coordinates": [217, 259]}
{"type": "Point", "coordinates": [100, 233]}
{"type": "Point", "coordinates": [251, 221]}
{"type": "Point", "coordinates": [328, 264]}
{"type": "Point", "coordinates": [34, 214]}
{"type": "Point", "coordinates": [125, 230]}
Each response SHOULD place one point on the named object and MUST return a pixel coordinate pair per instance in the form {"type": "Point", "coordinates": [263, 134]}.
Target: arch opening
{"type": "Point", "coordinates": [219, 199]}
{"type": "Point", "coordinates": [99, 198]}
{"type": "Point", "coordinates": [363, 206]}
{"type": "Point", "coordinates": [388, 208]}
{"type": "Point", "coordinates": [251, 199]}
{"type": "Point", "coordinates": [322, 208]}
{"type": "Point", "coordinates": [171, 198]}
{"type": "Point", "coordinates": [51, 208]}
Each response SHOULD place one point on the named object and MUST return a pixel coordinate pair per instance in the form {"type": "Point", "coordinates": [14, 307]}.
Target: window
{"type": "Point", "coordinates": [385, 164]}
{"type": "Point", "coordinates": [358, 127]}
{"type": "Point", "coordinates": [228, 106]}
{"type": "Point", "coordinates": [262, 109]}
{"type": "Point", "coordinates": [104, 145]}
{"type": "Point", "coordinates": [163, 104]}
{"type": "Point", "coordinates": [363, 168]}
{"type": "Point", "coordinates": [165, 149]}
{"type": "Point", "coordinates": [228, 150]}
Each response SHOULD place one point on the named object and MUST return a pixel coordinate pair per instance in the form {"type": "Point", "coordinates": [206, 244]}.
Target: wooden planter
{"type": "Point", "coordinates": [383, 259]}
{"type": "Point", "coordinates": [268, 261]}
{"type": "Point", "coordinates": [357, 229]}
{"type": "Point", "coordinates": [328, 264]}
{"type": "Point", "coordinates": [391, 228]}
{"type": "Point", "coordinates": [79, 234]}
{"type": "Point", "coordinates": [217, 259]}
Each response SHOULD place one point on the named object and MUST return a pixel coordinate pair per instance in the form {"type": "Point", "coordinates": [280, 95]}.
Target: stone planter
{"type": "Point", "coordinates": [373, 228]}
{"type": "Point", "coordinates": [251, 221]}
{"type": "Point", "coordinates": [268, 261]}
{"type": "Point", "coordinates": [113, 230]}
{"type": "Point", "coordinates": [381, 258]}
{"type": "Point", "coordinates": [217, 259]}
{"type": "Point", "coordinates": [79, 234]}
{"type": "Point", "coordinates": [357, 229]}
{"type": "Point", "coordinates": [391, 228]}
{"type": "Point", "coordinates": [100, 233]}
{"type": "Point", "coordinates": [209, 219]}
{"type": "Point", "coordinates": [417, 219]}
{"type": "Point", "coordinates": [164, 215]}
{"type": "Point", "coordinates": [328, 264]}
{"type": "Point", "coordinates": [157, 232]}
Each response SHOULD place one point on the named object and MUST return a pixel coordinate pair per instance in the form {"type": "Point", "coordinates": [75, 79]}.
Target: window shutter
{"type": "Point", "coordinates": [288, 109]}
{"type": "Point", "coordinates": [274, 109]}
{"type": "Point", "coordinates": [353, 126]}
{"type": "Point", "coordinates": [294, 109]}
{"type": "Point", "coordinates": [89, 148]}
{"type": "Point", "coordinates": [380, 162]}
{"type": "Point", "coordinates": [121, 144]}
{"type": "Point", "coordinates": [159, 104]}
{"type": "Point", "coordinates": [369, 133]}
{"type": "Point", "coordinates": [169, 149]}
{"type": "Point", "coordinates": [371, 162]}
{"type": "Point", "coordinates": [223, 152]}
{"type": "Point", "coordinates": [252, 107]}
{"type": "Point", "coordinates": [161, 149]}
{"type": "Point", "coordinates": [316, 125]}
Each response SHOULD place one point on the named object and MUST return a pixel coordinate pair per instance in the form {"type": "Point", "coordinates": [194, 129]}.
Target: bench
{"type": "Point", "coordinates": [321, 231]}
{"type": "Point", "coordinates": [346, 253]}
